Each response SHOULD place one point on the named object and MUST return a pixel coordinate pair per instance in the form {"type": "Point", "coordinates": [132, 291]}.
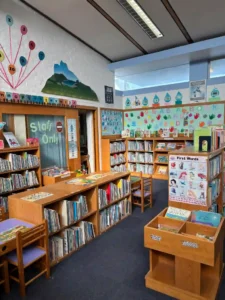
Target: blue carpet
{"type": "Point", "coordinates": [112, 267]}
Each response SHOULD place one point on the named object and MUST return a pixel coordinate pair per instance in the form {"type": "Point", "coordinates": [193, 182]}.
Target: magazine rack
{"type": "Point", "coordinates": [183, 265]}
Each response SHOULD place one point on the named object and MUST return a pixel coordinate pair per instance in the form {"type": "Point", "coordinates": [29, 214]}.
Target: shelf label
{"type": "Point", "coordinates": [155, 237]}
{"type": "Point", "coordinates": [189, 244]}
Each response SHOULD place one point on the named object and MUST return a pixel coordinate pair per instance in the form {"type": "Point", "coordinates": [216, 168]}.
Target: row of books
{"type": "Point", "coordinates": [113, 192]}
{"type": "Point", "coordinates": [117, 159]}
{"type": "Point", "coordinates": [114, 214]}
{"type": "Point", "coordinates": [119, 168]}
{"type": "Point", "coordinates": [209, 138]}
{"type": "Point", "coordinates": [117, 147]}
{"type": "Point", "coordinates": [70, 239]}
{"type": "Point", "coordinates": [52, 218]}
{"type": "Point", "coordinates": [146, 169]}
{"type": "Point", "coordinates": [214, 166]}
{"type": "Point", "coordinates": [71, 211]}
{"type": "Point", "coordinates": [167, 146]}
{"type": "Point", "coordinates": [17, 162]}
{"type": "Point", "coordinates": [213, 190]}
{"type": "Point", "coordinates": [4, 203]}
{"type": "Point", "coordinates": [17, 181]}
{"type": "Point", "coordinates": [140, 157]}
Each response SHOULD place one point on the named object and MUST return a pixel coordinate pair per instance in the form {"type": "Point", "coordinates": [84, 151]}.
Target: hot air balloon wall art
{"type": "Point", "coordinates": [10, 73]}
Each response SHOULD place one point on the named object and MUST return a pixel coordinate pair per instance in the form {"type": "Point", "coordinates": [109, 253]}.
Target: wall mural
{"type": "Point", "coordinates": [9, 72]}
{"type": "Point", "coordinates": [65, 83]}
{"type": "Point", "coordinates": [112, 122]}
{"type": "Point", "coordinates": [188, 117]}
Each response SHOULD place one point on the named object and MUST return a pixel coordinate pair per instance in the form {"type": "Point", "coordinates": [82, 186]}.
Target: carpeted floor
{"type": "Point", "coordinates": [112, 267]}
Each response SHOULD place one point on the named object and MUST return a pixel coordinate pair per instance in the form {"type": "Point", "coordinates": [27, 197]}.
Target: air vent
{"type": "Point", "coordinates": [141, 18]}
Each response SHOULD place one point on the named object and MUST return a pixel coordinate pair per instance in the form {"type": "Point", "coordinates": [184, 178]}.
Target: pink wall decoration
{"type": "Point", "coordinates": [8, 71]}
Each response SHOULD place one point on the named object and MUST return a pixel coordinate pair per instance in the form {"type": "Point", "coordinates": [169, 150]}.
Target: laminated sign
{"type": "Point", "coordinates": [72, 138]}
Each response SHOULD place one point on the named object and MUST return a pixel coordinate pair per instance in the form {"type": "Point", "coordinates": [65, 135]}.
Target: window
{"type": "Point", "coordinates": [217, 68]}
{"type": "Point", "coordinates": [153, 78]}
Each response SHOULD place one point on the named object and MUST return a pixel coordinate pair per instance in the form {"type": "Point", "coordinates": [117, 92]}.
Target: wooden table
{"type": "Point", "coordinates": [10, 245]}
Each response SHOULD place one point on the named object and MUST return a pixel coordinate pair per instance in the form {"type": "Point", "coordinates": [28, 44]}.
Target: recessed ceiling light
{"type": "Point", "coordinates": [139, 15]}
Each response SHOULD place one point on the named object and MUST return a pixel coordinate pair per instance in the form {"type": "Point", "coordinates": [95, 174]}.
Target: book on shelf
{"type": "Point", "coordinates": [177, 213]}
{"type": "Point", "coordinates": [119, 168]}
{"type": "Point", "coordinates": [148, 146]}
{"type": "Point", "coordinates": [206, 218]}
{"type": "Point", "coordinates": [215, 166]}
{"type": "Point", "coordinates": [117, 147]}
{"type": "Point", "coordinates": [161, 170]}
{"type": "Point", "coordinates": [161, 146]}
{"type": "Point", "coordinates": [52, 218]}
{"type": "Point", "coordinates": [209, 138]}
{"type": "Point", "coordinates": [114, 214]}
{"type": "Point", "coordinates": [5, 165]}
{"type": "Point", "coordinates": [213, 190]}
{"type": "Point", "coordinates": [146, 169]}
{"type": "Point", "coordinates": [136, 146]}
{"type": "Point", "coordinates": [11, 139]}
{"type": "Point", "coordinates": [70, 239]}
{"type": "Point", "coordinates": [4, 203]}
{"type": "Point", "coordinates": [161, 158]}
{"type": "Point", "coordinates": [71, 211]}
{"type": "Point", "coordinates": [117, 159]}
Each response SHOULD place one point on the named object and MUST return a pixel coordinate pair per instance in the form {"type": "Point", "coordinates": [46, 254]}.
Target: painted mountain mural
{"type": "Point", "coordinates": [65, 83]}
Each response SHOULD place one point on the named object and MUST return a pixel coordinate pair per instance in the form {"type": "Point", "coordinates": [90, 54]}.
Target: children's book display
{"type": "Point", "coordinates": [186, 253]}
{"type": "Point", "coordinates": [11, 139]}
{"type": "Point", "coordinates": [37, 196]}
{"type": "Point", "coordinates": [209, 138]}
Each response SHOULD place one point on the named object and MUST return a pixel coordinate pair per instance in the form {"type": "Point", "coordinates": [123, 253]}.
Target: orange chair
{"type": "Point", "coordinates": [31, 247]}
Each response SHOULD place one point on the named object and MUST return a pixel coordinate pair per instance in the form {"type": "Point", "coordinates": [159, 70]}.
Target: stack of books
{"type": "Point", "coordinates": [70, 239]}
{"type": "Point", "coordinates": [148, 146]}
{"type": "Point", "coordinates": [5, 165]}
{"type": "Point", "coordinates": [117, 147]}
{"type": "Point", "coordinates": [52, 218]}
{"type": "Point", "coordinates": [117, 159]}
{"type": "Point", "coordinates": [120, 168]}
{"type": "Point", "coordinates": [4, 203]}
{"type": "Point", "coordinates": [114, 214]}
{"type": "Point", "coordinates": [71, 211]}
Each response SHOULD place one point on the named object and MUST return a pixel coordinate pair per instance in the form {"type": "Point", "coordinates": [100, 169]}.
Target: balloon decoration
{"type": "Point", "coordinates": [13, 67]}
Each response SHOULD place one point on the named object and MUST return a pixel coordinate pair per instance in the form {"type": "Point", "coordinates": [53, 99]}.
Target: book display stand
{"type": "Point", "coordinates": [186, 257]}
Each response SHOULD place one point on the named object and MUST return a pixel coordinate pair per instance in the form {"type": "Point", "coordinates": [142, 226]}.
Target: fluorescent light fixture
{"type": "Point", "coordinates": [140, 17]}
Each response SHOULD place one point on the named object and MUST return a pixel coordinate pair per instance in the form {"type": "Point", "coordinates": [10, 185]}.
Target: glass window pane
{"type": "Point", "coordinates": [154, 78]}
{"type": "Point", "coordinates": [217, 68]}
{"type": "Point", "coordinates": [52, 143]}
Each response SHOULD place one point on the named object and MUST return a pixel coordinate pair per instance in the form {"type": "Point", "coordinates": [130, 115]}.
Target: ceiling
{"type": "Point", "coordinates": [107, 28]}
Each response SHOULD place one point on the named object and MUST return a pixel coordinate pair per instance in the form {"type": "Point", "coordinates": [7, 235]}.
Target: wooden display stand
{"type": "Point", "coordinates": [183, 265]}
{"type": "Point", "coordinates": [33, 212]}
{"type": "Point", "coordinates": [46, 180]}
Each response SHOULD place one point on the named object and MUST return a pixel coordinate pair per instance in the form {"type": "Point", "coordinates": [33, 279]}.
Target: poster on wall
{"type": "Point", "coordinates": [64, 82]}
{"type": "Point", "coordinates": [112, 122]}
{"type": "Point", "coordinates": [198, 91]}
{"type": "Point", "coordinates": [175, 118]}
{"type": "Point", "coordinates": [188, 179]}
{"type": "Point", "coordinates": [72, 138]}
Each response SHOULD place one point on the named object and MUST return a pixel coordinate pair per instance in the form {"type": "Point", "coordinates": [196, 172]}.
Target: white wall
{"type": "Point", "coordinates": [88, 66]}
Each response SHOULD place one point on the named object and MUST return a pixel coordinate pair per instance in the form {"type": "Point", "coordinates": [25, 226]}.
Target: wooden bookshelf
{"type": "Point", "coordinates": [4, 154]}
{"type": "Point", "coordinates": [107, 153]}
{"type": "Point", "coordinates": [46, 180]}
{"type": "Point", "coordinates": [34, 211]}
{"type": "Point", "coordinates": [182, 264]}
{"type": "Point", "coordinates": [156, 152]}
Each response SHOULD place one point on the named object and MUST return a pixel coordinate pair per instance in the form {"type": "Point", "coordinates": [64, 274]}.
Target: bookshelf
{"type": "Point", "coordinates": [114, 154]}
{"type": "Point", "coordinates": [150, 155]}
{"type": "Point", "coordinates": [20, 170]}
{"type": "Point", "coordinates": [184, 264]}
{"type": "Point", "coordinates": [76, 212]}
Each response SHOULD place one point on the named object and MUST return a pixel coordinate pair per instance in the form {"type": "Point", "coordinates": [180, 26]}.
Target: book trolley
{"type": "Point", "coordinates": [99, 216]}
{"type": "Point", "coordinates": [184, 265]}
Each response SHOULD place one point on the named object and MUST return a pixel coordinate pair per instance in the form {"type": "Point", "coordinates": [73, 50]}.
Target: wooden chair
{"type": "Point", "coordinates": [31, 247]}
{"type": "Point", "coordinates": [142, 196]}
{"type": "Point", "coordinates": [85, 159]}
{"type": "Point", "coordinates": [4, 279]}
{"type": "Point", "coordinates": [3, 215]}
